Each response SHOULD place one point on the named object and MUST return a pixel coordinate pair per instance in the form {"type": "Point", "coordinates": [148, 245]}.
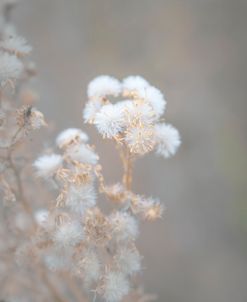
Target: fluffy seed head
{"type": "Point", "coordinates": [47, 165]}
{"type": "Point", "coordinates": [109, 121]}
{"type": "Point", "coordinates": [134, 85]}
{"type": "Point", "coordinates": [168, 140]}
{"type": "Point", "coordinates": [128, 260]}
{"type": "Point", "coordinates": [140, 139]}
{"type": "Point", "coordinates": [79, 198]}
{"type": "Point", "coordinates": [68, 234]}
{"type": "Point", "coordinates": [138, 112]}
{"type": "Point", "coordinates": [16, 45]}
{"type": "Point", "coordinates": [37, 119]}
{"type": "Point", "coordinates": [116, 286]}
{"type": "Point", "coordinates": [10, 67]}
{"type": "Point", "coordinates": [58, 259]}
{"type": "Point", "coordinates": [70, 136]}
{"type": "Point", "coordinates": [89, 267]}
{"type": "Point", "coordinates": [155, 98]}
{"type": "Point", "coordinates": [91, 108]}
{"type": "Point", "coordinates": [82, 153]}
{"type": "Point", "coordinates": [125, 226]}
{"type": "Point", "coordinates": [102, 86]}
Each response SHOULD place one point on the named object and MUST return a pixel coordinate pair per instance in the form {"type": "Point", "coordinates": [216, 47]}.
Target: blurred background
{"type": "Point", "coordinates": [194, 51]}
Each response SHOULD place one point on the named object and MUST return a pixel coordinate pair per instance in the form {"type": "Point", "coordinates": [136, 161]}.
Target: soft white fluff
{"type": "Point", "coordinates": [37, 119]}
{"type": "Point", "coordinates": [16, 44]}
{"type": "Point", "coordinates": [82, 153]}
{"type": "Point", "coordinates": [155, 98]}
{"type": "Point", "coordinates": [125, 226]}
{"type": "Point", "coordinates": [80, 198]}
{"type": "Point", "coordinates": [140, 139]}
{"type": "Point", "coordinates": [134, 84]}
{"type": "Point", "coordinates": [128, 260]}
{"type": "Point", "coordinates": [70, 135]}
{"type": "Point", "coordinates": [90, 266]}
{"type": "Point", "coordinates": [109, 120]}
{"type": "Point", "coordinates": [47, 165]}
{"type": "Point", "coordinates": [116, 286]}
{"type": "Point", "coordinates": [91, 108]}
{"type": "Point", "coordinates": [10, 67]}
{"type": "Point", "coordinates": [57, 259]}
{"type": "Point", "coordinates": [68, 234]}
{"type": "Point", "coordinates": [168, 140]}
{"type": "Point", "coordinates": [137, 112]}
{"type": "Point", "coordinates": [102, 86]}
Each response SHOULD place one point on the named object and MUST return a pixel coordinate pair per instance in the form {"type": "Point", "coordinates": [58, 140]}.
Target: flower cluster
{"type": "Point", "coordinates": [63, 237]}
{"type": "Point", "coordinates": [76, 235]}
{"type": "Point", "coordinates": [135, 120]}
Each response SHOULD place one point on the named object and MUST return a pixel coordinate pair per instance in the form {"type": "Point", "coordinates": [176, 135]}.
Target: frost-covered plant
{"type": "Point", "coordinates": [71, 242]}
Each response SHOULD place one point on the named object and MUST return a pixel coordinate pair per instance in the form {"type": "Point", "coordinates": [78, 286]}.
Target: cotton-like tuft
{"type": "Point", "coordinates": [10, 67]}
{"type": "Point", "coordinates": [116, 286]}
{"type": "Point", "coordinates": [156, 99]}
{"type": "Point", "coordinates": [80, 198]}
{"type": "Point", "coordinates": [134, 84]}
{"type": "Point", "coordinates": [37, 119]}
{"type": "Point", "coordinates": [69, 136]}
{"type": "Point", "coordinates": [109, 121]}
{"type": "Point", "coordinates": [90, 267]}
{"type": "Point", "coordinates": [139, 113]}
{"type": "Point", "coordinates": [82, 153]}
{"type": "Point", "coordinates": [128, 260]}
{"type": "Point", "coordinates": [125, 226]}
{"type": "Point", "coordinates": [102, 86]}
{"type": "Point", "coordinates": [68, 234]}
{"type": "Point", "coordinates": [47, 165]}
{"type": "Point", "coordinates": [140, 139]}
{"type": "Point", "coordinates": [91, 108]}
{"type": "Point", "coordinates": [168, 140]}
{"type": "Point", "coordinates": [58, 259]}
{"type": "Point", "coordinates": [16, 45]}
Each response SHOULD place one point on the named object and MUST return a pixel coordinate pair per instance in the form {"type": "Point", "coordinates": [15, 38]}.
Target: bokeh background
{"type": "Point", "coordinates": [194, 51]}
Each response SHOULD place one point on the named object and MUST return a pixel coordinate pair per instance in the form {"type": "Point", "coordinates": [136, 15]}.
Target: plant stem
{"type": "Point", "coordinates": [128, 168]}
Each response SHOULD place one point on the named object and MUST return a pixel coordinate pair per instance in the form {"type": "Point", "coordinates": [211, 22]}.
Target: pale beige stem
{"type": "Point", "coordinates": [128, 168]}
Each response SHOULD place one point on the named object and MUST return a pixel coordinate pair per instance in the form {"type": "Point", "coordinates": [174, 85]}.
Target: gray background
{"type": "Point", "coordinates": [194, 51]}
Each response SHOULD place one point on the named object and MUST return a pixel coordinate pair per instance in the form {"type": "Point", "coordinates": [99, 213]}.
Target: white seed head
{"type": "Point", "coordinates": [90, 267]}
{"type": "Point", "coordinates": [91, 108]}
{"type": "Point", "coordinates": [82, 153]}
{"type": "Point", "coordinates": [125, 226]}
{"type": "Point", "coordinates": [56, 258]}
{"type": "Point", "coordinates": [80, 198]}
{"type": "Point", "coordinates": [134, 84]}
{"type": "Point", "coordinates": [10, 67]}
{"type": "Point", "coordinates": [68, 234]}
{"type": "Point", "coordinates": [140, 139]}
{"type": "Point", "coordinates": [109, 121]}
{"type": "Point", "coordinates": [37, 119]}
{"type": "Point", "coordinates": [69, 136]}
{"type": "Point", "coordinates": [138, 113]}
{"type": "Point", "coordinates": [116, 286]}
{"type": "Point", "coordinates": [168, 140]}
{"type": "Point", "coordinates": [102, 86]}
{"type": "Point", "coordinates": [47, 165]}
{"type": "Point", "coordinates": [155, 98]}
{"type": "Point", "coordinates": [128, 260]}
{"type": "Point", "coordinates": [16, 45]}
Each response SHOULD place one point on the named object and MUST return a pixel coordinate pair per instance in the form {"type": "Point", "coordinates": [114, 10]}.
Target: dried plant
{"type": "Point", "coordinates": [51, 253]}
